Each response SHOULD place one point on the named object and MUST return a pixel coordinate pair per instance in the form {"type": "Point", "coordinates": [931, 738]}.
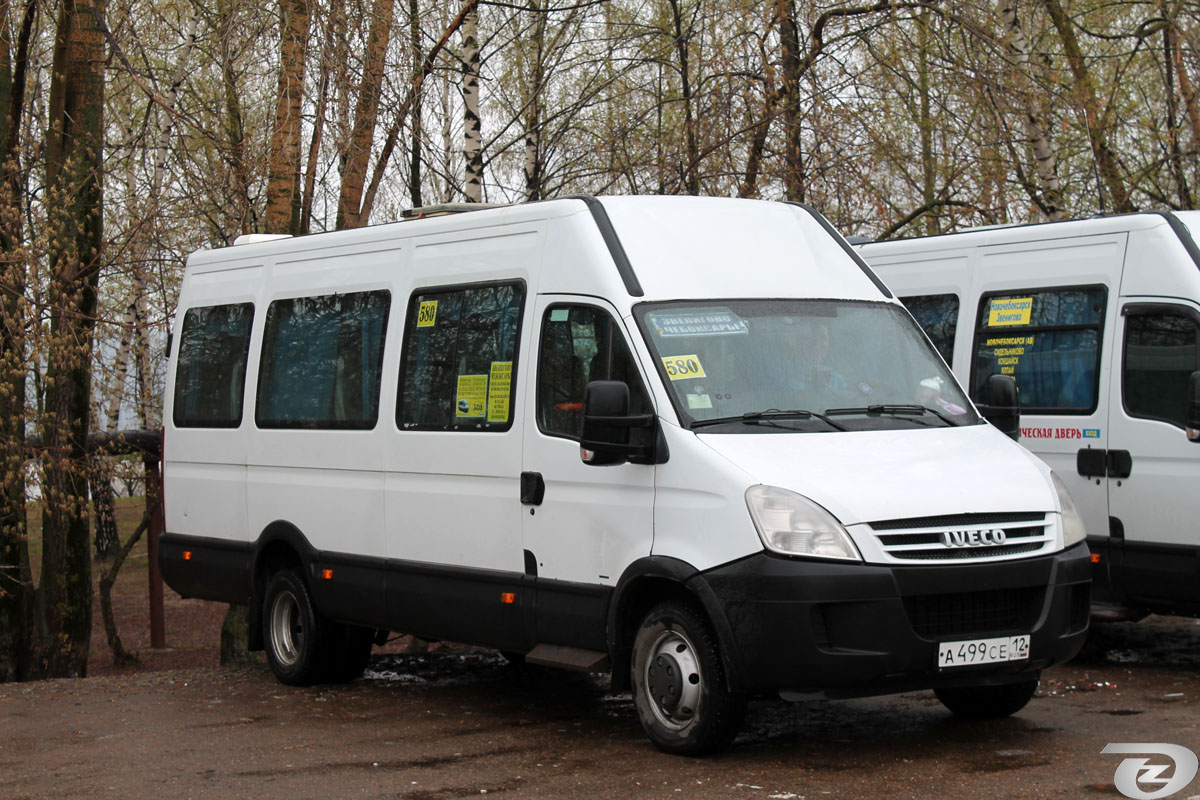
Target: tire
{"type": "Point", "coordinates": [987, 702]}
{"type": "Point", "coordinates": [351, 652]}
{"type": "Point", "coordinates": [295, 635]}
{"type": "Point", "coordinates": [679, 684]}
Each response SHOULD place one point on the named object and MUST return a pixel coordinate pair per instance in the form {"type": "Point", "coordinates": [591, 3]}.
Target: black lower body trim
{"type": "Point", "coordinates": [855, 629]}
{"type": "Point", "coordinates": [491, 608]}
{"type": "Point", "coordinates": [207, 568]}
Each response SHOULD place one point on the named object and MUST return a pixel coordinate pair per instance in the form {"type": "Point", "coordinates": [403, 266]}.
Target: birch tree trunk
{"type": "Point", "coordinates": [472, 134]}
{"type": "Point", "coordinates": [1096, 119]}
{"type": "Point", "coordinates": [1017, 48]}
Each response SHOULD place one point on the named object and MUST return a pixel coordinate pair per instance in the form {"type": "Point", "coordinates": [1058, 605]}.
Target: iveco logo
{"type": "Point", "coordinates": [973, 538]}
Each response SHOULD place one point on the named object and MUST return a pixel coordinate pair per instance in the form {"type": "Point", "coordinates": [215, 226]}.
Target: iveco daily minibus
{"type": "Point", "coordinates": [693, 441]}
{"type": "Point", "coordinates": [1097, 320]}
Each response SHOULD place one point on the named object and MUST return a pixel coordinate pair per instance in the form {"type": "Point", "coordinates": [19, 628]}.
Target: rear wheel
{"type": "Point", "coordinates": [294, 632]}
{"type": "Point", "coordinates": [987, 702]}
{"type": "Point", "coordinates": [679, 684]}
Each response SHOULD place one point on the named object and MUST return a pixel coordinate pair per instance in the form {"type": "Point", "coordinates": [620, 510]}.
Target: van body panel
{"type": "Point", "coordinates": [701, 516]}
{"type": "Point", "coordinates": [1133, 478]}
{"type": "Point", "coordinates": [593, 521]}
{"type": "Point", "coordinates": [965, 466]}
{"type": "Point", "coordinates": [780, 250]}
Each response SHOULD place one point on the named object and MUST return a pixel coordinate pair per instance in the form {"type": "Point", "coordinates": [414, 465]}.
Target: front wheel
{"type": "Point", "coordinates": [987, 702]}
{"type": "Point", "coordinates": [294, 632]}
{"type": "Point", "coordinates": [679, 684]}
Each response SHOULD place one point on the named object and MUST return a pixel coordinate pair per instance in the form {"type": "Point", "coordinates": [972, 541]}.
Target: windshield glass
{"type": "Point", "coordinates": [800, 365]}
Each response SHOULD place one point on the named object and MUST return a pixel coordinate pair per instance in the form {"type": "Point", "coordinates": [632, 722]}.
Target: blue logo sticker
{"type": "Point", "coordinates": [1091, 433]}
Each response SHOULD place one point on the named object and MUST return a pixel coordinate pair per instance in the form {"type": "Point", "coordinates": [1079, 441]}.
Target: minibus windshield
{"type": "Point", "coordinates": [740, 366]}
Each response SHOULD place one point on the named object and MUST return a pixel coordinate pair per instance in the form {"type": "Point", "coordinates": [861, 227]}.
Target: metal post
{"type": "Point", "coordinates": [154, 502]}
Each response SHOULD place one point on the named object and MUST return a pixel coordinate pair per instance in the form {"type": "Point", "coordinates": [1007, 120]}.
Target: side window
{"type": "Point", "coordinates": [937, 314]}
{"type": "Point", "coordinates": [321, 361]}
{"type": "Point", "coordinates": [1048, 340]}
{"type": "Point", "coordinates": [210, 376]}
{"type": "Point", "coordinates": [460, 351]}
{"type": "Point", "coordinates": [1160, 354]}
{"type": "Point", "coordinates": [581, 344]}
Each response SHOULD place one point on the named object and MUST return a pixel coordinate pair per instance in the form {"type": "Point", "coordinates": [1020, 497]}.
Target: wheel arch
{"type": "Point", "coordinates": [648, 582]}
{"type": "Point", "coordinates": [280, 545]}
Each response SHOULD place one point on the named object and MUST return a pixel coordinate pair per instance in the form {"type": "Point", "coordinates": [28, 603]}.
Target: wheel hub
{"type": "Point", "coordinates": [665, 682]}
{"type": "Point", "coordinates": [673, 679]}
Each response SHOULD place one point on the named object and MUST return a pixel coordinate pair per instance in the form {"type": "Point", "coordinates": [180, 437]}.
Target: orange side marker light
{"type": "Point", "coordinates": [508, 598]}
{"type": "Point", "coordinates": [187, 555]}
{"type": "Point", "coordinates": [327, 574]}
{"type": "Point", "coordinates": [1095, 558]}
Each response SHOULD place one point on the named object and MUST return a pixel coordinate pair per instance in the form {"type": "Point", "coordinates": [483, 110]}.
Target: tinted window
{"type": "Point", "coordinates": [581, 344]}
{"type": "Point", "coordinates": [1160, 354]}
{"type": "Point", "coordinates": [211, 372]}
{"type": "Point", "coordinates": [321, 361]}
{"type": "Point", "coordinates": [937, 314]}
{"type": "Point", "coordinates": [460, 348]}
{"type": "Point", "coordinates": [1048, 340]}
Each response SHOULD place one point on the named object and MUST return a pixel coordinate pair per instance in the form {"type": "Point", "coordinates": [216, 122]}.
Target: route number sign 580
{"type": "Point", "coordinates": [683, 367]}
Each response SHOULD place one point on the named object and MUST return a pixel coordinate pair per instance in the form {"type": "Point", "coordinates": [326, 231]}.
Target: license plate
{"type": "Point", "coordinates": [982, 651]}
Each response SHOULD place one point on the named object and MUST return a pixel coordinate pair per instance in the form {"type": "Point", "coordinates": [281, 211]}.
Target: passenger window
{"type": "Point", "coordinates": [321, 361]}
{"type": "Point", "coordinates": [1160, 354]}
{"type": "Point", "coordinates": [937, 314]}
{"type": "Point", "coordinates": [581, 344]}
{"type": "Point", "coordinates": [460, 354]}
{"type": "Point", "coordinates": [1049, 341]}
{"type": "Point", "coordinates": [210, 375]}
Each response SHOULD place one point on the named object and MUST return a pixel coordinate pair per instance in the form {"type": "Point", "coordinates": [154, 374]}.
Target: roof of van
{"type": "Point", "coordinates": [1184, 225]}
{"type": "Point", "coordinates": [663, 247]}
{"type": "Point", "coordinates": [1015, 232]}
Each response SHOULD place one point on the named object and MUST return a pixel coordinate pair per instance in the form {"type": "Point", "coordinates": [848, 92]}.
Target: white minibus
{"type": "Point", "coordinates": [1097, 321]}
{"type": "Point", "coordinates": [692, 441]}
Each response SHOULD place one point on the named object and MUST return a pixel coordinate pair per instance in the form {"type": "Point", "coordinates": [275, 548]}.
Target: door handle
{"type": "Point", "coordinates": [533, 488]}
{"type": "Point", "coordinates": [1092, 463]}
{"type": "Point", "coordinates": [1120, 463]}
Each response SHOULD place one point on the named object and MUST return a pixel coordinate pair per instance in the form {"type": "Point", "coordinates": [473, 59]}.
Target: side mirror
{"type": "Point", "coordinates": [1193, 407]}
{"type": "Point", "coordinates": [604, 434]}
{"type": "Point", "coordinates": [1000, 405]}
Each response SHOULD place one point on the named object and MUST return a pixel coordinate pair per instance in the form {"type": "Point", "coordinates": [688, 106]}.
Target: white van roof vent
{"type": "Point", "coordinates": [446, 208]}
{"type": "Point", "coordinates": [255, 238]}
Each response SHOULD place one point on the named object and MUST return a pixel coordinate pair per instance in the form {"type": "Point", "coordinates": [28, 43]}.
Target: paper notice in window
{"type": "Point", "coordinates": [499, 390]}
{"type": "Point", "coordinates": [472, 396]}
{"type": "Point", "coordinates": [1010, 311]}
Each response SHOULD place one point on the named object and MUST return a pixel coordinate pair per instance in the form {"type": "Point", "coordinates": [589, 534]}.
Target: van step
{"type": "Point", "coordinates": [556, 655]}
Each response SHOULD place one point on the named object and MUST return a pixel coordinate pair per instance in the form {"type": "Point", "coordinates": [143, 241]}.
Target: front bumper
{"type": "Point", "coordinates": [844, 630]}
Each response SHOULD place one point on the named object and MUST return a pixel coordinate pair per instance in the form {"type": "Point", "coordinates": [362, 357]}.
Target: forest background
{"type": "Point", "coordinates": [133, 133]}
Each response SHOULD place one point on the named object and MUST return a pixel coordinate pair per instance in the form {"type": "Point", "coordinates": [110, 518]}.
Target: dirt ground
{"type": "Point", "coordinates": [461, 722]}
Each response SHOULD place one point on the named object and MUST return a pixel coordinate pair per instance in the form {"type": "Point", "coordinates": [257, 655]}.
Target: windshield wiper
{"type": "Point", "coordinates": [898, 409]}
{"type": "Point", "coordinates": [769, 417]}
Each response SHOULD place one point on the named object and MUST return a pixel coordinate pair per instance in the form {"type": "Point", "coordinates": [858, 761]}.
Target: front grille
{"type": "Point", "coordinates": [975, 614]}
{"type": "Point", "coordinates": [957, 521]}
{"type": "Point", "coordinates": [933, 538]}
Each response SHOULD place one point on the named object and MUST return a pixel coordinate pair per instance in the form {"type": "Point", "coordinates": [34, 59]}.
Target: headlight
{"type": "Point", "coordinates": [1073, 532]}
{"type": "Point", "coordinates": [793, 525]}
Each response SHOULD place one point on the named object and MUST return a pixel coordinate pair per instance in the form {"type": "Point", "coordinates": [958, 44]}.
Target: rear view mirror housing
{"type": "Point", "coordinates": [1000, 405]}
{"type": "Point", "coordinates": [604, 438]}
